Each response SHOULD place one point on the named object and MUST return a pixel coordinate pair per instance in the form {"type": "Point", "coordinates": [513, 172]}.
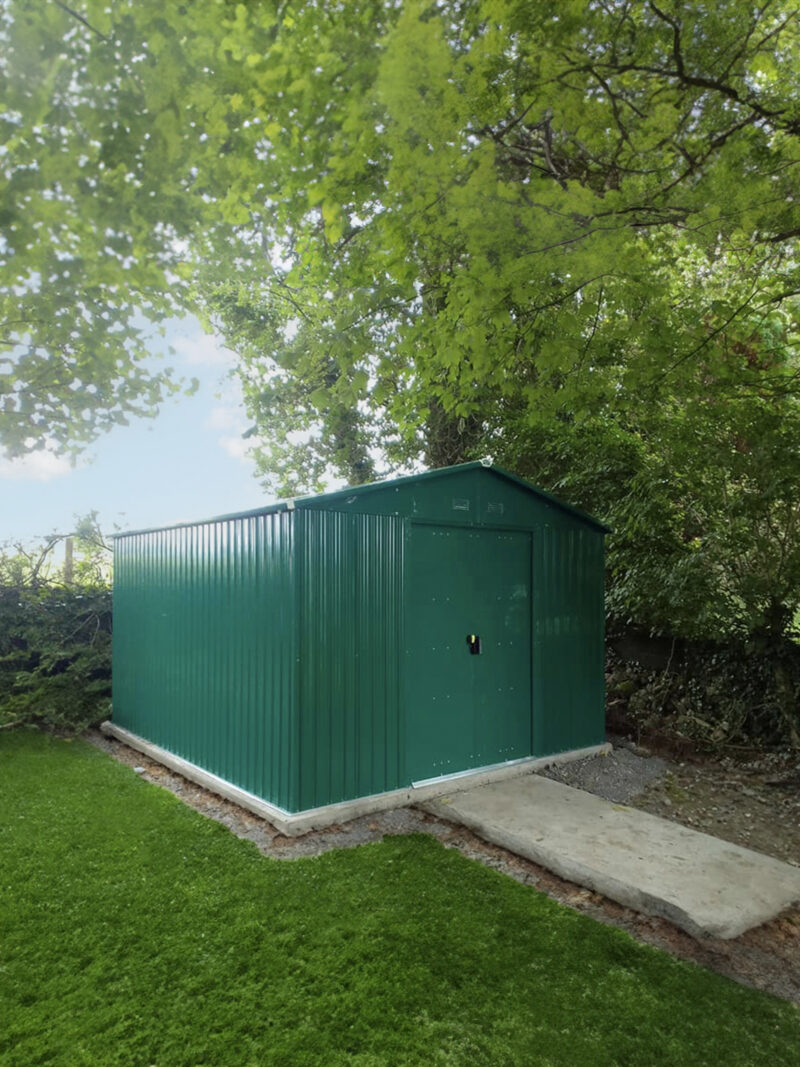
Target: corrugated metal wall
{"type": "Point", "coordinates": [351, 569]}
{"type": "Point", "coordinates": [568, 633]}
{"type": "Point", "coordinates": [267, 648]}
{"type": "Point", "coordinates": [204, 647]}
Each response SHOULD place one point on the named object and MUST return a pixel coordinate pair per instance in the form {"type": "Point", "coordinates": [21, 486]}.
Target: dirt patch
{"type": "Point", "coordinates": [766, 958]}
{"type": "Point", "coordinates": [752, 801]}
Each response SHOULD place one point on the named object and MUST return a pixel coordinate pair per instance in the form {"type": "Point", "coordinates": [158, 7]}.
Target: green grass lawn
{"type": "Point", "coordinates": [135, 931]}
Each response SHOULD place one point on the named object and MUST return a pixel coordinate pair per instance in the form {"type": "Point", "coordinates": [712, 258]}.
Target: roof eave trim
{"type": "Point", "coordinates": [268, 509]}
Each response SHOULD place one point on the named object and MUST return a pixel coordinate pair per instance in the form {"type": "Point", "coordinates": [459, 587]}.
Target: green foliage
{"type": "Point", "coordinates": [136, 931]}
{"type": "Point", "coordinates": [564, 235]}
{"type": "Point", "coordinates": [702, 491]}
{"type": "Point", "coordinates": [568, 241]}
{"type": "Point", "coordinates": [91, 216]}
{"type": "Point", "coordinates": [55, 634]}
{"type": "Point", "coordinates": [504, 206]}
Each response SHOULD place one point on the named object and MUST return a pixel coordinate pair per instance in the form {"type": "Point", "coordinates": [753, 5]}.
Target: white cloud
{"type": "Point", "coordinates": [203, 350]}
{"type": "Point", "coordinates": [226, 417]}
{"type": "Point", "coordinates": [231, 419]}
{"type": "Point", "coordinates": [236, 447]}
{"type": "Point", "coordinates": [35, 467]}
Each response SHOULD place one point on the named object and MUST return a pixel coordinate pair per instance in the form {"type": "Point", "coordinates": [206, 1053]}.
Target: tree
{"type": "Point", "coordinates": [132, 169]}
{"type": "Point", "coordinates": [544, 234]}
{"type": "Point", "coordinates": [439, 182]}
{"type": "Point", "coordinates": [499, 200]}
{"type": "Point", "coordinates": [563, 235]}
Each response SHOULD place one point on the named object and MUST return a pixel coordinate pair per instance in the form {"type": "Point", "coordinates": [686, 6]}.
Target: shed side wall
{"type": "Point", "coordinates": [204, 639]}
{"type": "Point", "coordinates": [350, 639]}
{"type": "Point", "coordinates": [568, 638]}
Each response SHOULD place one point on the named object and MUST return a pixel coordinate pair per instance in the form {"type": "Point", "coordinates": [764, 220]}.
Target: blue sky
{"type": "Point", "coordinates": [190, 462]}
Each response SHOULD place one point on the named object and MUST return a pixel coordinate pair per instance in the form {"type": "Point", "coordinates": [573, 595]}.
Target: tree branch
{"type": "Point", "coordinates": [85, 22]}
{"type": "Point", "coordinates": [706, 340]}
{"type": "Point", "coordinates": [785, 236]}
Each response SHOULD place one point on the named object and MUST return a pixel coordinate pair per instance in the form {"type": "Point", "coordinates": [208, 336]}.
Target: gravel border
{"type": "Point", "coordinates": [620, 776]}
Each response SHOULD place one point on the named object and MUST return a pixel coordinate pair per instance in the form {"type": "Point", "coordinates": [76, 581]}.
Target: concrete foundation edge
{"type": "Point", "coordinates": [295, 824]}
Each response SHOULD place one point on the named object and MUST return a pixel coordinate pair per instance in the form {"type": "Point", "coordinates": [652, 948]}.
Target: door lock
{"type": "Point", "coordinates": [474, 644]}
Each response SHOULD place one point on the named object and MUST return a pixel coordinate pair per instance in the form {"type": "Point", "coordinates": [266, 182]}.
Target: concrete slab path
{"type": "Point", "coordinates": [705, 886]}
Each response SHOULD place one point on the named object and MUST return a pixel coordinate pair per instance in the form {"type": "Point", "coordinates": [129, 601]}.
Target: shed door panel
{"type": "Point", "coordinates": [465, 710]}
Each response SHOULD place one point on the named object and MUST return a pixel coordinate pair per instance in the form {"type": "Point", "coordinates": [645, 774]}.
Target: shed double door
{"type": "Point", "coordinates": [467, 649]}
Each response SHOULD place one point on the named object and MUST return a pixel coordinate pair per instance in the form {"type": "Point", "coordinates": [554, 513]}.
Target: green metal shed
{"type": "Point", "coordinates": [375, 639]}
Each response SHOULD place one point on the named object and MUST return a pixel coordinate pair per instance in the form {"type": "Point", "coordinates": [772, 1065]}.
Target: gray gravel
{"type": "Point", "coordinates": [263, 835]}
{"type": "Point", "coordinates": [620, 776]}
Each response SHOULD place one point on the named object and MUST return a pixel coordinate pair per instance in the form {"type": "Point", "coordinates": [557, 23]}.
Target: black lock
{"type": "Point", "coordinates": [474, 644]}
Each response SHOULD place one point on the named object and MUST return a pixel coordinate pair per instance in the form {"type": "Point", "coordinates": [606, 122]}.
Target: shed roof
{"type": "Point", "coordinates": [317, 499]}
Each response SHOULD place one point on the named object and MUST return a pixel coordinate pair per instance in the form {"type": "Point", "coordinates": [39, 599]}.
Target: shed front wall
{"type": "Point", "coordinates": [204, 648]}
{"type": "Point", "coordinates": [356, 671]}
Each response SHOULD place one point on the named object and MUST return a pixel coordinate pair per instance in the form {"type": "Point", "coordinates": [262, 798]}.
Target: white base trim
{"type": "Point", "coordinates": [295, 824]}
{"type": "Point", "coordinates": [522, 761]}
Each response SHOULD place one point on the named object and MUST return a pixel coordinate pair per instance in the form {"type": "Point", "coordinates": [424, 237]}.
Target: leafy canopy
{"type": "Point", "coordinates": [494, 205]}
{"type": "Point", "coordinates": [562, 234]}
{"type": "Point", "coordinates": [93, 210]}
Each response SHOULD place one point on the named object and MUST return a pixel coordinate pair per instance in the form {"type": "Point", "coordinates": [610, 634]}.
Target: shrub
{"type": "Point", "coordinates": [707, 694]}
{"type": "Point", "coordinates": [55, 634]}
